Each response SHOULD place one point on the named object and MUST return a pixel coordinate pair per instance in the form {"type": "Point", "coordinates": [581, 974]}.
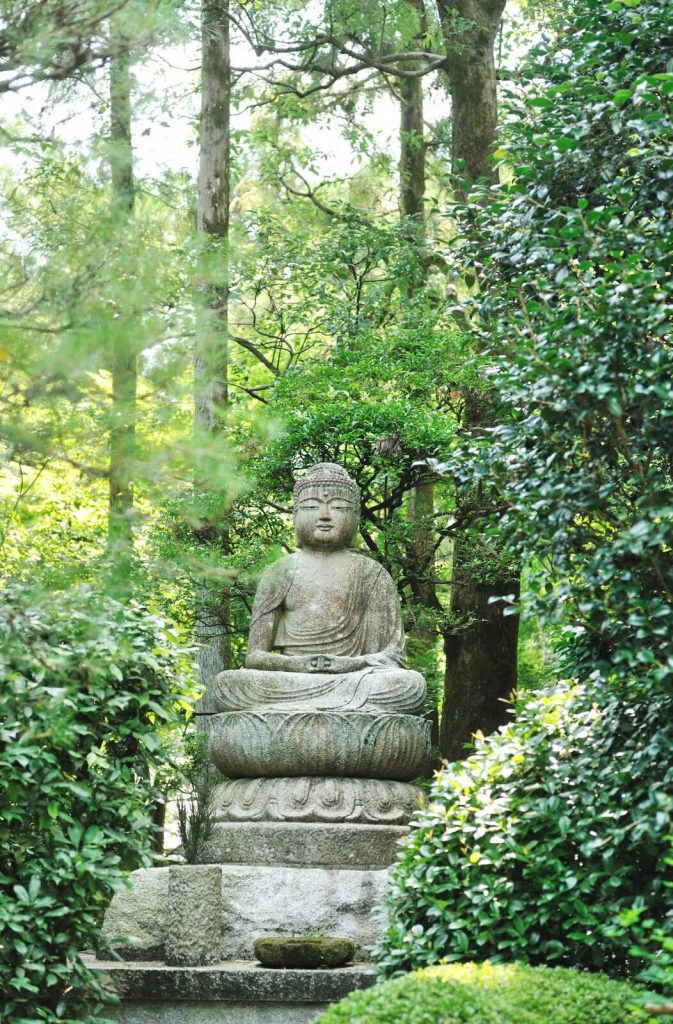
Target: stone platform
{"type": "Point", "coordinates": [304, 844]}
{"type": "Point", "coordinates": [238, 992]}
{"type": "Point", "coordinates": [254, 901]}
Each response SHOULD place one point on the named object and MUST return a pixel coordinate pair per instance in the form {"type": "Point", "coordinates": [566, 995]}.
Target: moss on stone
{"type": "Point", "coordinates": [309, 951]}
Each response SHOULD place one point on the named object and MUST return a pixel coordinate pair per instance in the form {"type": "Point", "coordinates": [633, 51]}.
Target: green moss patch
{"type": "Point", "coordinates": [304, 951]}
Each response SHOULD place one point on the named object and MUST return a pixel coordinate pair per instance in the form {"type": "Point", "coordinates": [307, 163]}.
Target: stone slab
{"type": "Point", "coordinates": [137, 915]}
{"type": "Point", "coordinates": [260, 901]}
{"type": "Point", "coordinates": [238, 992]}
{"type": "Point", "coordinates": [231, 981]}
{"type": "Point", "coordinates": [133, 1012]}
{"type": "Point", "coordinates": [305, 844]}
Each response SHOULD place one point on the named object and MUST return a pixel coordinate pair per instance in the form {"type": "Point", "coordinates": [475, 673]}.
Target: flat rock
{"type": "Point", "coordinates": [235, 980]}
{"type": "Point", "coordinates": [306, 951]}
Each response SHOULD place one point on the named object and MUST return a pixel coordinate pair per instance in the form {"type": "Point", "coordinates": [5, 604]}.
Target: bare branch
{"type": "Point", "coordinates": [256, 352]}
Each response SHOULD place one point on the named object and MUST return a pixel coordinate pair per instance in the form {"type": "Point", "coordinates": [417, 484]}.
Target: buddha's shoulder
{"type": "Point", "coordinates": [367, 567]}
{"type": "Point", "coordinates": [281, 568]}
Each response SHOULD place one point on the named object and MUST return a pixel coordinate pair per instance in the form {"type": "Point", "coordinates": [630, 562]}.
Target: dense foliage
{"type": "Point", "coordinates": [537, 846]}
{"type": "Point", "coordinates": [577, 264]}
{"type": "Point", "coordinates": [485, 993]}
{"type": "Point", "coordinates": [87, 685]}
{"type": "Point", "coordinates": [553, 843]}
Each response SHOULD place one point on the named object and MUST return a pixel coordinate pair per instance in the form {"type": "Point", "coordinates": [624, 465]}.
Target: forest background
{"type": "Point", "coordinates": [475, 323]}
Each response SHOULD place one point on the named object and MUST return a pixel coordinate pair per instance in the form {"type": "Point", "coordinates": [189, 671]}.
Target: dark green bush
{"type": "Point", "coordinates": [87, 683]}
{"type": "Point", "coordinates": [576, 260]}
{"type": "Point", "coordinates": [534, 847]}
{"type": "Point", "coordinates": [490, 994]}
{"type": "Point", "coordinates": [552, 843]}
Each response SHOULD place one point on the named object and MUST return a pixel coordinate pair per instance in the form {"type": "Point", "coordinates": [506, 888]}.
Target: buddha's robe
{"type": "Point", "coordinates": [362, 617]}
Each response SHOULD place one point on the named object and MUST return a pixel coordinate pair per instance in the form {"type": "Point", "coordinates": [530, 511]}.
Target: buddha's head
{"type": "Point", "coordinates": [326, 508]}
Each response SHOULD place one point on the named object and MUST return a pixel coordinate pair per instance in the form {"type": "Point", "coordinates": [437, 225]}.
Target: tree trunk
{"type": "Point", "coordinates": [481, 659]}
{"type": "Point", "coordinates": [481, 650]}
{"type": "Point", "coordinates": [124, 363]}
{"type": "Point", "coordinates": [213, 631]}
{"type": "Point", "coordinates": [412, 150]}
{"type": "Point", "coordinates": [422, 635]}
{"type": "Point", "coordinates": [470, 68]}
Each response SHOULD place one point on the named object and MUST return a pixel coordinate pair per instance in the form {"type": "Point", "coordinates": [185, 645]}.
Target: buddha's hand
{"type": "Point", "coordinates": [322, 663]}
{"type": "Point", "coordinates": [337, 663]}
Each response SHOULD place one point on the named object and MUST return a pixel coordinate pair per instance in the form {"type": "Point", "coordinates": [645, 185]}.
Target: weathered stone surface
{"type": "Point", "coordinates": [326, 631]}
{"type": "Point", "coordinates": [305, 951]}
{"type": "Point", "coordinates": [237, 992]}
{"type": "Point", "coordinates": [260, 901]}
{"type": "Point", "coordinates": [136, 917]}
{"type": "Point", "coordinates": [194, 920]}
{"type": "Point", "coordinates": [305, 844]}
{"type": "Point", "coordinates": [280, 901]}
{"type": "Point", "coordinates": [236, 981]}
{"type": "Point", "coordinates": [317, 798]}
{"type": "Point", "coordinates": [249, 744]}
{"type": "Point", "coordinates": [132, 1012]}
{"type": "Point", "coordinates": [378, 690]}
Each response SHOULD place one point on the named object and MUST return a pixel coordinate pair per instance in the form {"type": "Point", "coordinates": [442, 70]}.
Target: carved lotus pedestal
{"type": "Point", "coordinates": [315, 787]}
{"type": "Point", "coordinates": [346, 744]}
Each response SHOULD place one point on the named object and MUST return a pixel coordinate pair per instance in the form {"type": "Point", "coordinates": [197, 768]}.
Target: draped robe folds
{"type": "Point", "coordinates": [365, 620]}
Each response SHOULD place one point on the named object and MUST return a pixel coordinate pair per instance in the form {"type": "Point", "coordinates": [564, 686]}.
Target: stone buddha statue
{"type": "Point", "coordinates": [326, 631]}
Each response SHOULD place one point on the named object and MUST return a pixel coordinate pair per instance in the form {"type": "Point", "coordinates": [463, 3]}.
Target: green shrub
{"type": "Point", "coordinates": [86, 683]}
{"type": "Point", "coordinates": [534, 847]}
{"type": "Point", "coordinates": [490, 994]}
{"type": "Point", "coordinates": [575, 257]}
{"type": "Point", "coordinates": [551, 844]}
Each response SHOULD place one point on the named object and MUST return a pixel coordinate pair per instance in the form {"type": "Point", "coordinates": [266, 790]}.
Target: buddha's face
{"type": "Point", "coordinates": [325, 519]}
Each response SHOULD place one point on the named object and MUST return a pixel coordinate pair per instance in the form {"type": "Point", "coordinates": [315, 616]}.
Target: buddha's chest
{"type": "Point", "coordinates": [321, 595]}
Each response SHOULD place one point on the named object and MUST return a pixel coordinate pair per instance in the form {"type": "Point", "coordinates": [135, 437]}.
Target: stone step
{"type": "Point", "coordinates": [235, 991]}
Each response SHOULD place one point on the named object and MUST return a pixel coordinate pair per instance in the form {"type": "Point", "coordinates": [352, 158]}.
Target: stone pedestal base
{"type": "Point", "coordinates": [314, 798]}
{"type": "Point", "coordinates": [350, 744]}
{"type": "Point", "coordinates": [237, 992]}
{"type": "Point", "coordinates": [266, 878]}
{"type": "Point", "coordinates": [313, 844]}
{"type": "Point", "coordinates": [256, 901]}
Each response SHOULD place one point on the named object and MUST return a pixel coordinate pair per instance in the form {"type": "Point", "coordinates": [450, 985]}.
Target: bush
{"type": "Point", "coordinates": [575, 254]}
{"type": "Point", "coordinates": [551, 844]}
{"type": "Point", "coordinates": [534, 847]}
{"type": "Point", "coordinates": [86, 684]}
{"type": "Point", "coordinates": [490, 994]}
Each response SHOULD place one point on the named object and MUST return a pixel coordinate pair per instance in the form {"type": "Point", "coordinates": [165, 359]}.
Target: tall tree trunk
{"type": "Point", "coordinates": [422, 635]}
{"type": "Point", "coordinates": [124, 363]}
{"type": "Point", "coordinates": [481, 658]}
{"type": "Point", "coordinates": [470, 28]}
{"type": "Point", "coordinates": [481, 651]}
{"type": "Point", "coordinates": [412, 150]}
{"type": "Point", "coordinates": [211, 357]}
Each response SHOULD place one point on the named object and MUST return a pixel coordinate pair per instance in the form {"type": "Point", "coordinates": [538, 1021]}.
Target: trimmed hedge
{"type": "Point", "coordinates": [491, 994]}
